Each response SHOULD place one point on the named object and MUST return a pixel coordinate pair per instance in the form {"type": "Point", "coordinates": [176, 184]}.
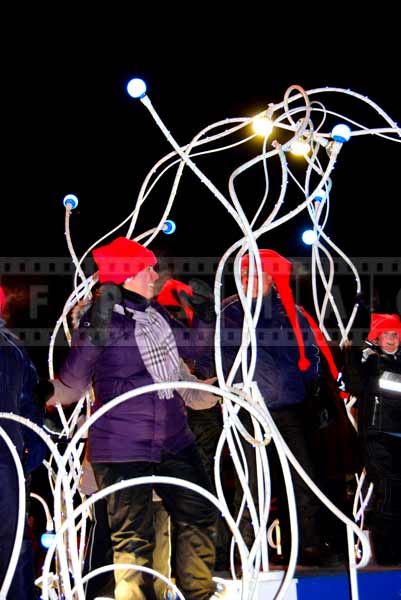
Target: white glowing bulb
{"type": "Point", "coordinates": [136, 88]}
{"type": "Point", "coordinates": [300, 148]}
{"type": "Point", "coordinates": [341, 133]}
{"type": "Point", "coordinates": [262, 126]}
{"type": "Point", "coordinates": [309, 237]}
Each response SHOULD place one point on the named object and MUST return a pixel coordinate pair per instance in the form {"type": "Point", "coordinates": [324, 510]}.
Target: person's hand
{"type": "Point", "coordinates": [107, 296]}
{"type": "Point", "coordinates": [64, 394]}
{"type": "Point", "coordinates": [201, 301]}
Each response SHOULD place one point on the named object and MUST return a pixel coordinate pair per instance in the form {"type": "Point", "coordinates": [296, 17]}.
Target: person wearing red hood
{"type": "Point", "coordinates": [375, 380]}
{"type": "Point", "coordinates": [124, 342]}
{"type": "Point", "coordinates": [287, 370]}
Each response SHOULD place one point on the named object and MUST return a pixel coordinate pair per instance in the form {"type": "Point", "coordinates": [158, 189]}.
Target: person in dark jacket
{"type": "Point", "coordinates": [287, 371]}
{"type": "Point", "coordinates": [127, 342]}
{"type": "Point", "coordinates": [374, 377]}
{"type": "Point", "coordinates": [17, 380]}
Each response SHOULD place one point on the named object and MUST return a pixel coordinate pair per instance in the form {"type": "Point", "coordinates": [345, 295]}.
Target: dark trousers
{"type": "Point", "coordinates": [383, 468]}
{"type": "Point", "coordinates": [294, 427]}
{"type": "Point", "coordinates": [130, 515]}
{"type": "Point", "coordinates": [207, 425]}
{"type": "Point", "coordinates": [22, 585]}
{"type": "Point", "coordinates": [99, 552]}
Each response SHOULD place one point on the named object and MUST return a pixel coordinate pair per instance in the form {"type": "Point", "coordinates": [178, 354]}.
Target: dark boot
{"type": "Point", "coordinates": [385, 542]}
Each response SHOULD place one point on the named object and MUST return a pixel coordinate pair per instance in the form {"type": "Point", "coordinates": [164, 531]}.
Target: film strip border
{"type": "Point", "coordinates": [56, 266]}
{"type": "Point", "coordinates": [39, 337]}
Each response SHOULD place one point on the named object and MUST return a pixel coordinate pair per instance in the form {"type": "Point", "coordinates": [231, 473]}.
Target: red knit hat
{"type": "Point", "coordinates": [121, 259]}
{"type": "Point", "coordinates": [381, 323]}
{"type": "Point", "coordinates": [167, 297]}
{"type": "Point", "coordinates": [280, 269]}
{"type": "Point", "coordinates": [2, 300]}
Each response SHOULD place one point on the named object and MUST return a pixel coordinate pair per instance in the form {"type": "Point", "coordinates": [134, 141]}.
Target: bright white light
{"type": "Point", "coordinates": [309, 237]}
{"type": "Point", "coordinates": [262, 126]}
{"type": "Point", "coordinates": [70, 200]}
{"type": "Point", "coordinates": [341, 133]}
{"type": "Point", "coordinates": [390, 381]}
{"type": "Point", "coordinates": [300, 148]}
{"type": "Point", "coordinates": [136, 88]}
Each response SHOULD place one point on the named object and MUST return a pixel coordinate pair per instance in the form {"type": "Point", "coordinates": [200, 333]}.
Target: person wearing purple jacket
{"type": "Point", "coordinates": [126, 341]}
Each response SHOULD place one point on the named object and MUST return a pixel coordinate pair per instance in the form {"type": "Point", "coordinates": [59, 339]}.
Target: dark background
{"type": "Point", "coordinates": [70, 127]}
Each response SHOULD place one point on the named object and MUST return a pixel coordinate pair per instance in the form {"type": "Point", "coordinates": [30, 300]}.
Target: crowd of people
{"type": "Point", "coordinates": [134, 334]}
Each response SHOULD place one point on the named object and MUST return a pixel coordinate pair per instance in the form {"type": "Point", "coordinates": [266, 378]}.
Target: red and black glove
{"type": "Point", "coordinates": [201, 301]}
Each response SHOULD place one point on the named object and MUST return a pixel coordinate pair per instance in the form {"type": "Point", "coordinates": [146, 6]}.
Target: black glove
{"type": "Point", "coordinates": [107, 296]}
{"type": "Point", "coordinates": [351, 369]}
{"type": "Point", "coordinates": [42, 392]}
{"type": "Point", "coordinates": [201, 301]}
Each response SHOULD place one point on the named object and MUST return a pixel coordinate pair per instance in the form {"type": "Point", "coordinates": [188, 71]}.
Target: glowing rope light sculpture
{"type": "Point", "coordinates": [299, 117]}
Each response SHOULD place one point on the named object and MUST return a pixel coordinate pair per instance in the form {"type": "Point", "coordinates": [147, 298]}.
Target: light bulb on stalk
{"type": "Point", "coordinates": [136, 88]}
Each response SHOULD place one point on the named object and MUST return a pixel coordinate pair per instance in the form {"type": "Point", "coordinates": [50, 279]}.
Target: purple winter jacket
{"type": "Point", "coordinates": [141, 428]}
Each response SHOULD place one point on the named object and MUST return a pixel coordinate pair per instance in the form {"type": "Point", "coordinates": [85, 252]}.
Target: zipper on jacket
{"type": "Point", "coordinates": [375, 407]}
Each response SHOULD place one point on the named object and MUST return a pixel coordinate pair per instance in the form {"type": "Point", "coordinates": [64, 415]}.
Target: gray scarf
{"type": "Point", "coordinates": [156, 344]}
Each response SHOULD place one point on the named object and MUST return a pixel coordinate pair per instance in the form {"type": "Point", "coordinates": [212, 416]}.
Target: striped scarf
{"type": "Point", "coordinates": [156, 344]}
